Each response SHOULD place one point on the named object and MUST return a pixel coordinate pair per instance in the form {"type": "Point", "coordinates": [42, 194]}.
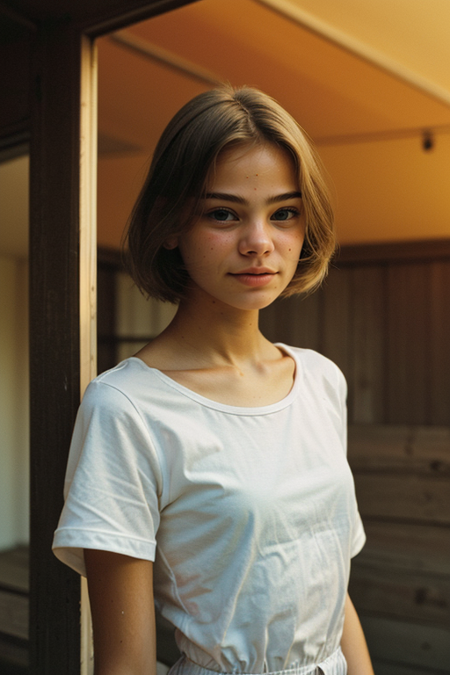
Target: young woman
{"type": "Point", "coordinates": [208, 473]}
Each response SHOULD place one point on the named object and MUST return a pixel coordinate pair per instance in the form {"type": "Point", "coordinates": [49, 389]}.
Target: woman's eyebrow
{"type": "Point", "coordinates": [285, 197]}
{"type": "Point", "coordinates": [224, 196]}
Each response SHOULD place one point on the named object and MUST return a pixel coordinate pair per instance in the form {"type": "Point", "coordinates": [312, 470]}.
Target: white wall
{"type": "Point", "coordinates": [14, 405]}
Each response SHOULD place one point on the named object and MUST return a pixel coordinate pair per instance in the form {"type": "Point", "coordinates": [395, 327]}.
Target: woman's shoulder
{"type": "Point", "coordinates": [124, 372]}
{"type": "Point", "coordinates": [313, 361]}
{"type": "Point", "coordinates": [128, 381]}
{"type": "Point", "coordinates": [319, 373]}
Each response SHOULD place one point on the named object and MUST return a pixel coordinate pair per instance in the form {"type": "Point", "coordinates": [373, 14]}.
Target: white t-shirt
{"type": "Point", "coordinates": [250, 512]}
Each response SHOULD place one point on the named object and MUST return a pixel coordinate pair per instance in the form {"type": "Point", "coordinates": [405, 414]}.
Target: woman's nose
{"type": "Point", "coordinates": [256, 239]}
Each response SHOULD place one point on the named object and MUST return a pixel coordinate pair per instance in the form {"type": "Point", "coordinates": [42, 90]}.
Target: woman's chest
{"type": "Point", "coordinates": [261, 465]}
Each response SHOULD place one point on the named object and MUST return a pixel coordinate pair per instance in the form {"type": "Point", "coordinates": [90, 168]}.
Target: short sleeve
{"type": "Point", "coordinates": [113, 481]}
{"type": "Point", "coordinates": [342, 392]}
{"type": "Point", "coordinates": [358, 535]}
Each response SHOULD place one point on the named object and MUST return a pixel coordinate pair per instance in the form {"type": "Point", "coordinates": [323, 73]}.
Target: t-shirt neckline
{"type": "Point", "coordinates": [223, 407]}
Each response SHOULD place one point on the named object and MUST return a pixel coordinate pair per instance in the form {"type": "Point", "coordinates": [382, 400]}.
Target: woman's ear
{"type": "Point", "coordinates": [171, 242]}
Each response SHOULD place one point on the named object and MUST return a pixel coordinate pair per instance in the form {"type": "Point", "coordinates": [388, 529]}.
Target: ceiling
{"type": "Point", "coordinates": [337, 72]}
{"type": "Point", "coordinates": [410, 36]}
{"type": "Point", "coordinates": [351, 72]}
{"type": "Point", "coordinates": [325, 86]}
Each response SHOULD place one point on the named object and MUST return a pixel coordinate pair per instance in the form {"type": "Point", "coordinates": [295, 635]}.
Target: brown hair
{"type": "Point", "coordinates": [182, 164]}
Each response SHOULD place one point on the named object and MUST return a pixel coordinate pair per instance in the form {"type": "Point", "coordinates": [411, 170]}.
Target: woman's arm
{"type": "Point", "coordinates": [353, 643]}
{"type": "Point", "coordinates": [123, 615]}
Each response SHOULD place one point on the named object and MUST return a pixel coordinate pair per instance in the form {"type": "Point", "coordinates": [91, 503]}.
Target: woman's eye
{"type": "Point", "coordinates": [223, 215]}
{"type": "Point", "coordinates": [285, 214]}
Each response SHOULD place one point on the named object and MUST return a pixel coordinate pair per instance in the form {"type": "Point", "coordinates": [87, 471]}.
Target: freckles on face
{"type": "Point", "coordinates": [200, 245]}
{"type": "Point", "coordinates": [251, 224]}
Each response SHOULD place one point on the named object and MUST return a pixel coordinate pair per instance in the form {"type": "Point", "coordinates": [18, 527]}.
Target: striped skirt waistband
{"type": "Point", "coordinates": [335, 664]}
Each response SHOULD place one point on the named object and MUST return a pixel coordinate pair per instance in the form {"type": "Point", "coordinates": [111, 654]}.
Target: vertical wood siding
{"type": "Point", "coordinates": [387, 326]}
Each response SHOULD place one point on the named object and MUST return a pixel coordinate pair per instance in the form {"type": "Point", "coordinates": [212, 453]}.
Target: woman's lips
{"type": "Point", "coordinates": [254, 279]}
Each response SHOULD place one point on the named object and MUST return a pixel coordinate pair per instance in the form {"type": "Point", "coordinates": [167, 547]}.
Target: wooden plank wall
{"type": "Point", "coordinates": [401, 580]}
{"type": "Point", "coordinates": [386, 323]}
{"type": "Point", "coordinates": [384, 317]}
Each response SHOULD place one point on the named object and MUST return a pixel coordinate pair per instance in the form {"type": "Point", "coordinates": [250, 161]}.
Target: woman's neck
{"type": "Point", "coordinates": [220, 354]}
{"type": "Point", "coordinates": [217, 335]}
{"type": "Point", "coordinates": [210, 335]}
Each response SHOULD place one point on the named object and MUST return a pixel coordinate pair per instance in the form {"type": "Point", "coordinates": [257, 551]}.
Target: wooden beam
{"type": "Point", "coordinates": [101, 16]}
{"type": "Point", "coordinates": [153, 52]}
{"type": "Point", "coordinates": [54, 339]}
{"type": "Point", "coordinates": [88, 274]}
{"type": "Point", "coordinates": [398, 251]}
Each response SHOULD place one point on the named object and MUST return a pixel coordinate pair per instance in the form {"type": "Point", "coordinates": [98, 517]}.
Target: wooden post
{"type": "Point", "coordinates": [88, 274]}
{"type": "Point", "coordinates": [54, 338]}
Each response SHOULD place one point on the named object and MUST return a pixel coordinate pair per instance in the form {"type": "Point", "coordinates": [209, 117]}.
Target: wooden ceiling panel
{"type": "Point", "coordinates": [138, 96]}
{"type": "Point", "coordinates": [247, 43]}
{"type": "Point", "coordinates": [413, 33]}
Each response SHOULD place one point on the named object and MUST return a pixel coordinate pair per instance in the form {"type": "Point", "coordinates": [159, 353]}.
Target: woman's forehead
{"type": "Point", "coordinates": [252, 161]}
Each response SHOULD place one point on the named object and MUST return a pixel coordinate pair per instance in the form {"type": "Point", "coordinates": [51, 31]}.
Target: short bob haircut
{"type": "Point", "coordinates": [182, 166]}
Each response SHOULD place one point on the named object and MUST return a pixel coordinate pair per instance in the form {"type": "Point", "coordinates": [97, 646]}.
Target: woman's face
{"type": "Point", "coordinates": [244, 248]}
